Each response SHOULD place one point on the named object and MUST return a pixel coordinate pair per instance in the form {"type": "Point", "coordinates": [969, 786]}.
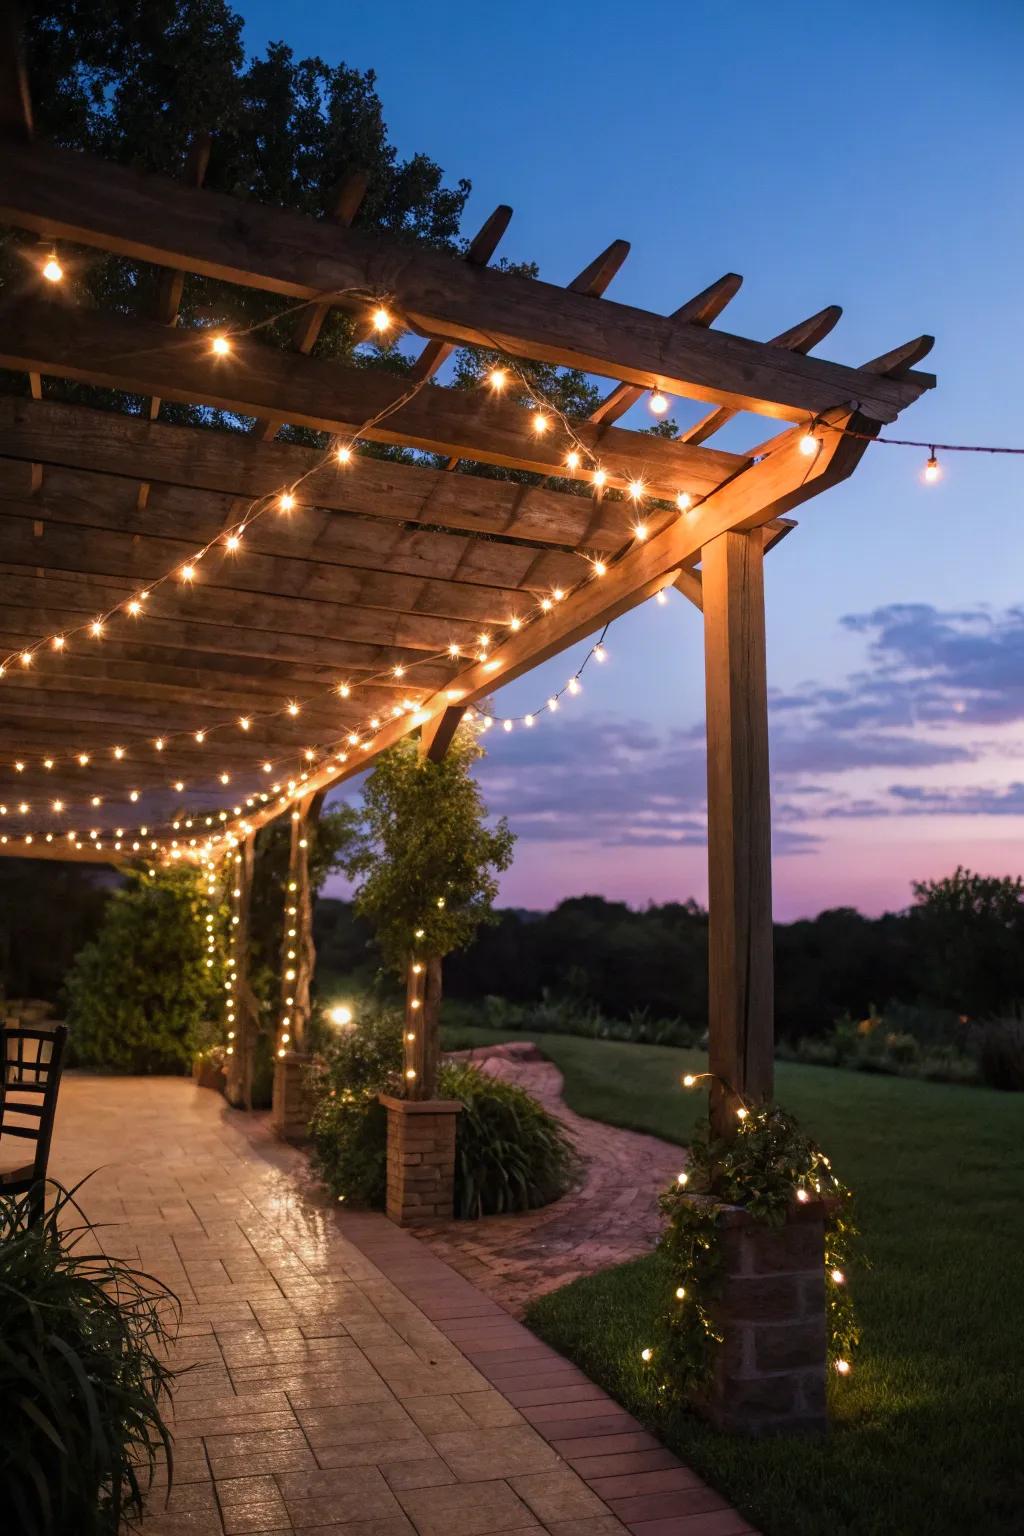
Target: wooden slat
{"type": "Point", "coordinates": [145, 358]}
{"type": "Point", "coordinates": [898, 363]}
{"type": "Point", "coordinates": [150, 218]}
{"type": "Point", "coordinates": [597, 274]}
{"type": "Point", "coordinates": [799, 338]}
{"type": "Point", "coordinates": [234, 463]}
{"type": "Point", "coordinates": [436, 735]}
{"type": "Point", "coordinates": [702, 309]}
{"type": "Point", "coordinates": [478, 253]}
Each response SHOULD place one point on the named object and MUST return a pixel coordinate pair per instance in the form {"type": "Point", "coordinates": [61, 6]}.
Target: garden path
{"type": "Point", "coordinates": [611, 1216]}
{"type": "Point", "coordinates": [343, 1380]}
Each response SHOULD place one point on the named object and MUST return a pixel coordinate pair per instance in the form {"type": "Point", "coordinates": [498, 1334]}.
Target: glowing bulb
{"type": "Point", "coordinates": [552, 703]}
{"type": "Point", "coordinates": [802, 1195]}
{"type": "Point", "coordinates": [809, 444]}
{"type": "Point", "coordinates": [344, 455]}
{"type": "Point", "coordinates": [572, 460]}
{"type": "Point", "coordinates": [640, 532]}
{"type": "Point", "coordinates": [134, 607]}
{"type": "Point", "coordinates": [286, 501]}
{"type": "Point", "coordinates": [600, 569]}
{"type": "Point", "coordinates": [680, 1292]}
{"type": "Point", "coordinates": [58, 642]}
{"type": "Point", "coordinates": [515, 624]}
{"type": "Point", "coordinates": [599, 652]}
{"type": "Point", "coordinates": [410, 1073]}
{"type": "Point", "coordinates": [200, 737]}
{"type": "Point", "coordinates": [221, 346]}
{"type": "Point", "coordinates": [381, 319]}
{"type": "Point", "coordinates": [646, 1354]}
{"type": "Point", "coordinates": [932, 470]}
{"type": "Point", "coordinates": [159, 744]}
{"type": "Point", "coordinates": [83, 758]}
{"type": "Point", "coordinates": [507, 725]}
{"type": "Point", "coordinates": [540, 423]}
{"type": "Point", "coordinates": [293, 708]}
{"type": "Point", "coordinates": [684, 501]}
{"type": "Point", "coordinates": [232, 541]}
{"type": "Point", "coordinates": [26, 658]}
{"type": "Point", "coordinates": [53, 271]}
{"type": "Point", "coordinates": [636, 489]}
{"type": "Point", "coordinates": [658, 403]}
{"type": "Point", "coordinates": [838, 1277]}
{"type": "Point", "coordinates": [682, 1179]}
{"type": "Point", "coordinates": [119, 753]}
{"type": "Point", "coordinates": [398, 671]}
{"type": "Point", "coordinates": [244, 723]}
{"type": "Point", "coordinates": [689, 1080]}
{"type": "Point", "coordinates": [742, 1113]}
{"type": "Point", "coordinates": [661, 597]}
{"type": "Point", "coordinates": [497, 379]}
{"type": "Point", "coordinates": [188, 572]}
{"type": "Point", "coordinates": [546, 604]}
{"type": "Point", "coordinates": [527, 720]}
{"type": "Point", "coordinates": [600, 477]}
{"type": "Point", "coordinates": [843, 1367]}
{"type": "Point", "coordinates": [344, 690]}
{"type": "Point", "coordinates": [558, 593]}
{"type": "Point", "coordinates": [573, 685]}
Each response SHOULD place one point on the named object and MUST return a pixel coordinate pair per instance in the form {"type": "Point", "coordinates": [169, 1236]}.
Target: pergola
{"type": "Point", "coordinates": [378, 597]}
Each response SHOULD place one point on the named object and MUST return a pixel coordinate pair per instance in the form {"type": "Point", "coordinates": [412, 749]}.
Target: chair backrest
{"type": "Point", "coordinates": [30, 1070]}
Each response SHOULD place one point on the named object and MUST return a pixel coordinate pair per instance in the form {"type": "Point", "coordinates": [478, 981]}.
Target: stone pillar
{"type": "Point", "coordinates": [293, 1097]}
{"type": "Point", "coordinates": [421, 1159]}
{"type": "Point", "coordinates": [771, 1366]}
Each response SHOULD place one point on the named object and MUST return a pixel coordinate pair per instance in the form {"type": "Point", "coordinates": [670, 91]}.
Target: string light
{"type": "Point", "coordinates": [52, 269]}
{"type": "Point", "coordinates": [220, 346]}
{"type": "Point", "coordinates": [497, 379]}
{"type": "Point", "coordinates": [381, 319]}
{"type": "Point", "coordinates": [658, 403]}
{"type": "Point", "coordinates": [684, 501]}
{"type": "Point", "coordinates": [810, 444]}
{"type": "Point", "coordinates": [932, 470]}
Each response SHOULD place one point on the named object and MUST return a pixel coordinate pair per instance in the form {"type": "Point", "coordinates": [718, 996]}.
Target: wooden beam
{"type": "Point", "coordinates": [60, 851]}
{"type": "Point", "coordinates": [478, 253]}
{"type": "Point", "coordinates": [700, 310]}
{"type": "Point", "coordinates": [799, 338]}
{"type": "Point", "coordinates": [256, 380]}
{"type": "Point", "coordinates": [898, 363]}
{"type": "Point", "coordinates": [689, 583]}
{"type": "Point", "coordinates": [740, 971]}
{"type": "Point", "coordinates": [437, 733]}
{"type": "Point", "coordinates": [782, 480]}
{"type": "Point", "coordinates": [59, 193]}
{"type": "Point", "coordinates": [597, 274]}
{"type": "Point", "coordinates": [236, 464]}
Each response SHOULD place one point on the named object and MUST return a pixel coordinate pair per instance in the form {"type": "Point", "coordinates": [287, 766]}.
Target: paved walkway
{"type": "Point", "coordinates": [343, 1380]}
{"type": "Point", "coordinates": [610, 1217]}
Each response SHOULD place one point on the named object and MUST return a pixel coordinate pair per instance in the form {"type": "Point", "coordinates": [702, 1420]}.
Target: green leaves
{"type": "Point", "coordinates": [82, 1375]}
{"type": "Point", "coordinates": [426, 860]}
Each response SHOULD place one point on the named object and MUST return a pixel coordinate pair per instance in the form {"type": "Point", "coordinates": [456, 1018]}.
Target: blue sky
{"type": "Point", "coordinates": [870, 159]}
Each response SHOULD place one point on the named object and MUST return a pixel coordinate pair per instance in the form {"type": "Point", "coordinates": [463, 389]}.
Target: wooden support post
{"type": "Point", "coordinates": [244, 1007]}
{"type": "Point", "coordinates": [422, 1027]}
{"type": "Point", "coordinates": [740, 991]}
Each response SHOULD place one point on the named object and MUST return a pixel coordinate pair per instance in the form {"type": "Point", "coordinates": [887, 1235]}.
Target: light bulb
{"type": "Point", "coordinates": [682, 1179]}
{"type": "Point", "coordinates": [507, 725]}
{"type": "Point", "coordinates": [243, 723]}
{"type": "Point", "coordinates": [58, 642]}
{"type": "Point", "coordinates": [344, 455]}
{"type": "Point", "coordinates": [600, 569]}
{"type": "Point", "coordinates": [636, 489]}
{"type": "Point", "coordinates": [661, 597]}
{"type": "Point", "coordinates": [188, 572]}
{"type": "Point", "coordinates": [801, 1194]}
{"type": "Point", "coordinates": [838, 1277]}
{"type": "Point", "coordinates": [221, 346]}
{"type": "Point", "coordinates": [684, 501]}
{"type": "Point", "coordinates": [381, 319]}
{"type": "Point", "coordinates": [689, 1080]}
{"type": "Point", "coordinates": [843, 1367]}
{"type": "Point", "coordinates": [286, 501]}
{"type": "Point", "coordinates": [572, 460]}
{"type": "Point", "coordinates": [742, 1113]}
{"type": "Point", "coordinates": [646, 1354]}
{"type": "Point", "coordinates": [573, 685]}
{"type": "Point", "coordinates": [293, 708]}
{"type": "Point", "coordinates": [552, 704]}
{"type": "Point", "coordinates": [600, 477]}
{"type": "Point", "coordinates": [497, 379]}
{"type": "Point", "coordinates": [515, 623]}
{"type": "Point", "coordinates": [527, 720]}
{"type": "Point", "coordinates": [232, 541]}
{"type": "Point", "coordinates": [200, 737]}
{"type": "Point", "coordinates": [809, 444]}
{"type": "Point", "coordinates": [599, 652]}
{"type": "Point", "coordinates": [52, 270]}
{"type": "Point", "coordinates": [344, 690]}
{"type": "Point", "coordinates": [658, 403]}
{"type": "Point", "coordinates": [680, 1292]}
{"type": "Point", "coordinates": [540, 423]}
{"type": "Point", "coordinates": [932, 470]}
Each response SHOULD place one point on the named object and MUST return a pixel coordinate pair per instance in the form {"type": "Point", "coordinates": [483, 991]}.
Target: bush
{"type": "Point", "coordinates": [81, 1379]}
{"type": "Point", "coordinates": [511, 1155]}
{"type": "Point", "coordinates": [140, 994]}
{"type": "Point", "coordinates": [1001, 1054]}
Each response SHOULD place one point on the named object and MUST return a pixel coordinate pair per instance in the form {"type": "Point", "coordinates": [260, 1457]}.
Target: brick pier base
{"type": "Point", "coordinates": [421, 1159]}
{"type": "Point", "coordinates": [292, 1105]}
{"type": "Point", "coordinates": [770, 1373]}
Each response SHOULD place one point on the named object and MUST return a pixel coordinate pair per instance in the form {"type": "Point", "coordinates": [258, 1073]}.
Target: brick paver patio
{"type": "Point", "coordinates": [344, 1380]}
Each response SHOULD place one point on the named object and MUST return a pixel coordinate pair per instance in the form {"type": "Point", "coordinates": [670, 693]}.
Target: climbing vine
{"type": "Point", "coordinates": [767, 1164]}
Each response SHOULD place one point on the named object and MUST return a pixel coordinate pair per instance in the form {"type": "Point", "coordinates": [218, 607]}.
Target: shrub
{"type": "Point", "coordinates": [81, 1379]}
{"type": "Point", "coordinates": [140, 994]}
{"type": "Point", "coordinates": [510, 1153]}
{"type": "Point", "coordinates": [903, 1049]}
{"type": "Point", "coordinates": [1001, 1054]}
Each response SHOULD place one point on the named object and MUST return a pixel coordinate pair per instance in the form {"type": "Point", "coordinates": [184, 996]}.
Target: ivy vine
{"type": "Point", "coordinates": [764, 1167]}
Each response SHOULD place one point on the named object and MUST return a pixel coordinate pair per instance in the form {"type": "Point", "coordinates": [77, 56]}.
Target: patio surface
{"type": "Point", "coordinates": [344, 1380]}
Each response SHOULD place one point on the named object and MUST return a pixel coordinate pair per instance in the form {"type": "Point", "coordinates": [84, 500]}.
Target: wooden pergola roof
{"type": "Point", "coordinates": [379, 565]}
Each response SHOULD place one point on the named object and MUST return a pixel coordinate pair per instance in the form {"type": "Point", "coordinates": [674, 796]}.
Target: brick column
{"type": "Point", "coordinates": [771, 1366]}
{"type": "Point", "coordinates": [421, 1159]}
{"type": "Point", "coordinates": [292, 1105]}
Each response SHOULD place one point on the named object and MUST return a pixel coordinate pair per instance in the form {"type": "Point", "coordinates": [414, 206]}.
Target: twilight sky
{"type": "Point", "coordinates": [871, 159]}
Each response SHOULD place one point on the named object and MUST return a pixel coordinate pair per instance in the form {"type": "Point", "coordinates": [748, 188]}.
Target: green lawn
{"type": "Point", "coordinates": [928, 1433]}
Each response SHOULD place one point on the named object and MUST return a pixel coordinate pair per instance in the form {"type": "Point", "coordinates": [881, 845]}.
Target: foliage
{"type": "Point", "coordinates": [1001, 1054]}
{"type": "Point", "coordinates": [764, 1168]}
{"type": "Point", "coordinates": [36, 952]}
{"type": "Point", "coordinates": [141, 995]}
{"type": "Point", "coordinates": [82, 1376]}
{"type": "Point", "coordinates": [349, 1127]}
{"type": "Point", "coordinates": [511, 1154]}
{"type": "Point", "coordinates": [969, 940]}
{"type": "Point", "coordinates": [426, 862]}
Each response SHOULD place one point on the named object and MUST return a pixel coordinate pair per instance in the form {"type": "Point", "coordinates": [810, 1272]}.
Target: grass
{"type": "Point", "coordinates": [927, 1432]}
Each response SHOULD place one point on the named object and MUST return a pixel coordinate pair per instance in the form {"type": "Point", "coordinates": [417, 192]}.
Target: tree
{"type": "Point", "coordinates": [426, 866]}
{"type": "Point", "coordinates": [969, 932]}
{"type": "Point", "coordinates": [147, 992]}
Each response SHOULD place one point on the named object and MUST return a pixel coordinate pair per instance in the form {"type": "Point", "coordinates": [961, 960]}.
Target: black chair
{"type": "Point", "coordinates": [30, 1071]}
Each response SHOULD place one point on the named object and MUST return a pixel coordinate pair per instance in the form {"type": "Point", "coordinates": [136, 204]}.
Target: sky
{"type": "Point", "coordinates": [870, 159]}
